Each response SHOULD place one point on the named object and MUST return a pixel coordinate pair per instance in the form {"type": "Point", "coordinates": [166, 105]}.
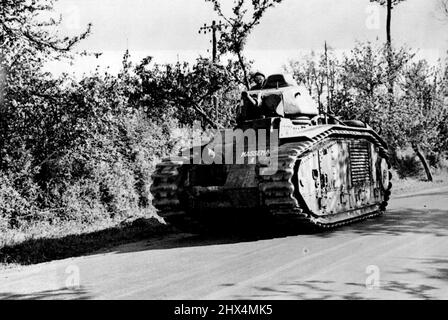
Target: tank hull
{"type": "Point", "coordinates": [326, 175]}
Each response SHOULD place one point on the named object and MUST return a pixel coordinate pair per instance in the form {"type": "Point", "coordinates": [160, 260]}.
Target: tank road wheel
{"type": "Point", "coordinates": [386, 183]}
{"type": "Point", "coordinates": [327, 207]}
{"type": "Point", "coordinates": [386, 175]}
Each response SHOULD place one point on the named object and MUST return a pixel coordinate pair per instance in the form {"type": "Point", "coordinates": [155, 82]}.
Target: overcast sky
{"type": "Point", "coordinates": [168, 29]}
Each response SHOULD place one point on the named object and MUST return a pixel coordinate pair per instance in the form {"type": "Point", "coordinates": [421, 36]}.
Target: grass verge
{"type": "Point", "coordinates": [43, 243]}
{"type": "Point", "coordinates": [413, 184]}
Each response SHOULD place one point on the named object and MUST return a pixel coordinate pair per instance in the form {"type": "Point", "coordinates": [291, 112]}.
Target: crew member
{"type": "Point", "coordinates": [251, 105]}
{"type": "Point", "coordinates": [259, 80]}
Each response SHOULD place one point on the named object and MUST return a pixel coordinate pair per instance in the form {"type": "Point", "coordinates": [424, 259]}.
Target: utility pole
{"type": "Point", "coordinates": [213, 28]}
{"type": "Point", "coordinates": [327, 108]}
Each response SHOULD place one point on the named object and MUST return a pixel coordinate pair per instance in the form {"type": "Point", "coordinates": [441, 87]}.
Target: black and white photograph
{"type": "Point", "coordinates": [223, 154]}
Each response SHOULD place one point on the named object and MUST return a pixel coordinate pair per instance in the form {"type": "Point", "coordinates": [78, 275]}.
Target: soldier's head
{"type": "Point", "coordinates": [258, 78]}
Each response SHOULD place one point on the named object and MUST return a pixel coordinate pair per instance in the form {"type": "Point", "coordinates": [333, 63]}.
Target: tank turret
{"type": "Point", "coordinates": [280, 96]}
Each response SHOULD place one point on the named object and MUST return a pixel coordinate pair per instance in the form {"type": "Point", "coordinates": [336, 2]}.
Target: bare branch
{"type": "Point", "coordinates": [22, 27]}
{"type": "Point", "coordinates": [443, 6]}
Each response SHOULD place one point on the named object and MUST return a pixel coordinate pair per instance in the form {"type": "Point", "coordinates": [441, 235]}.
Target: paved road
{"type": "Point", "coordinates": [402, 255]}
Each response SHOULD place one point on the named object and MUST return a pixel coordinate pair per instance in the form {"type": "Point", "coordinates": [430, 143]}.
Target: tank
{"type": "Point", "coordinates": [283, 159]}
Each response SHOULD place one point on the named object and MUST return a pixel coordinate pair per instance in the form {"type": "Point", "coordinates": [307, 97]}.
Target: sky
{"type": "Point", "coordinates": [168, 30]}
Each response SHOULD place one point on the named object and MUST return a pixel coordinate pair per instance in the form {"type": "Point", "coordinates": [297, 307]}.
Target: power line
{"type": "Point", "coordinates": [213, 28]}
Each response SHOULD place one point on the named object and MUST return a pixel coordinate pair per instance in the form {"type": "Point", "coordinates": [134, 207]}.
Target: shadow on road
{"type": "Point", "coordinates": [60, 294]}
{"type": "Point", "coordinates": [330, 290]}
{"type": "Point", "coordinates": [392, 223]}
{"type": "Point", "coordinates": [425, 270]}
{"type": "Point", "coordinates": [158, 236]}
{"type": "Point", "coordinates": [47, 249]}
{"type": "Point", "coordinates": [397, 222]}
{"type": "Point", "coordinates": [228, 231]}
{"type": "Point", "coordinates": [429, 268]}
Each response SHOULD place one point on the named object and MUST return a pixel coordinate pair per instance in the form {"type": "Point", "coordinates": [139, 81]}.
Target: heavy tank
{"type": "Point", "coordinates": [282, 159]}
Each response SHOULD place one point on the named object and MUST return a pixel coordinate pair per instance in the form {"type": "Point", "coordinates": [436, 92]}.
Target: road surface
{"type": "Point", "coordinates": [401, 255]}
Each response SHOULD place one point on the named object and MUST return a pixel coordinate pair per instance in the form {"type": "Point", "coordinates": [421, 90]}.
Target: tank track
{"type": "Point", "coordinates": [278, 189]}
{"type": "Point", "coordinates": [166, 177]}
{"type": "Point", "coordinates": [165, 188]}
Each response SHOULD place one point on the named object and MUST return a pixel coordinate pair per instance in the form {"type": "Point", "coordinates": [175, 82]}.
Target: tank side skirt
{"type": "Point", "coordinates": [280, 196]}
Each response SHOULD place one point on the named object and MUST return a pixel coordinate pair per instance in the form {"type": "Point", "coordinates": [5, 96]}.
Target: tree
{"type": "Point", "coordinates": [392, 74]}
{"type": "Point", "coordinates": [421, 109]}
{"type": "Point", "coordinates": [184, 91]}
{"type": "Point", "coordinates": [246, 14]}
{"type": "Point", "coordinates": [318, 74]}
{"type": "Point", "coordinates": [390, 4]}
{"type": "Point", "coordinates": [31, 101]}
{"type": "Point", "coordinates": [360, 91]}
{"type": "Point", "coordinates": [28, 38]}
{"type": "Point", "coordinates": [362, 78]}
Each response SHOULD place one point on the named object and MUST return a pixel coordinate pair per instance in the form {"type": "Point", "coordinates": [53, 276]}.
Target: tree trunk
{"type": "Point", "coordinates": [388, 23]}
{"type": "Point", "coordinates": [243, 67]}
{"type": "Point", "coordinates": [390, 80]}
{"type": "Point", "coordinates": [2, 77]}
{"type": "Point", "coordinates": [423, 161]}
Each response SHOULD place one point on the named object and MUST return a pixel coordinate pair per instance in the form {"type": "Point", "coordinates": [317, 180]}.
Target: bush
{"type": "Point", "coordinates": [104, 175]}
{"type": "Point", "coordinates": [12, 205]}
{"type": "Point", "coordinates": [109, 176]}
{"type": "Point", "coordinates": [409, 166]}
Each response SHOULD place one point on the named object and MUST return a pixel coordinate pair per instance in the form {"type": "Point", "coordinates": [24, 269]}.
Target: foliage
{"type": "Point", "coordinates": [357, 87]}
{"type": "Point", "coordinates": [384, 2]}
{"type": "Point", "coordinates": [26, 29]}
{"type": "Point", "coordinates": [185, 92]}
{"type": "Point", "coordinates": [245, 15]}
{"type": "Point", "coordinates": [318, 74]}
{"type": "Point", "coordinates": [83, 150]}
